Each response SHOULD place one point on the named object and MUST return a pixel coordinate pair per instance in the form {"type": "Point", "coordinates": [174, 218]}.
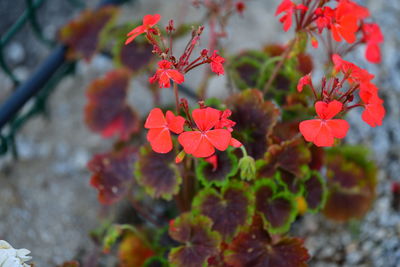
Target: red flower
{"type": "Point", "coordinates": [240, 7]}
{"type": "Point", "coordinates": [165, 73]}
{"type": "Point", "coordinates": [148, 22]}
{"type": "Point", "coordinates": [287, 7]}
{"type": "Point", "coordinates": [322, 131]}
{"type": "Point", "coordinates": [372, 37]}
{"type": "Point", "coordinates": [224, 122]}
{"type": "Point", "coordinates": [357, 74]}
{"type": "Point", "coordinates": [216, 63]}
{"type": "Point", "coordinates": [202, 143]}
{"type": "Point", "coordinates": [305, 80]}
{"type": "Point", "coordinates": [159, 134]}
{"type": "Point", "coordinates": [374, 111]}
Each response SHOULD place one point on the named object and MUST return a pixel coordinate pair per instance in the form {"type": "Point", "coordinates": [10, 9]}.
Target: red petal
{"type": "Point", "coordinates": [160, 140]}
{"type": "Point", "coordinates": [329, 110]}
{"type": "Point", "coordinates": [205, 149]}
{"type": "Point", "coordinates": [309, 129]}
{"type": "Point", "coordinates": [134, 33]}
{"type": "Point", "coordinates": [175, 123]}
{"type": "Point", "coordinates": [190, 141]}
{"type": "Point", "coordinates": [220, 138]}
{"type": "Point", "coordinates": [324, 137]}
{"type": "Point", "coordinates": [373, 53]}
{"type": "Point", "coordinates": [155, 119]}
{"type": "Point", "coordinates": [151, 20]}
{"type": "Point", "coordinates": [235, 143]}
{"type": "Point", "coordinates": [176, 76]}
{"type": "Point", "coordinates": [163, 80]}
{"type": "Point", "coordinates": [338, 128]}
{"type": "Point", "coordinates": [206, 118]}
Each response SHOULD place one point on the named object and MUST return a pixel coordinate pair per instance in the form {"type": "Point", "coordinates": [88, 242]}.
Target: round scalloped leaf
{"type": "Point", "coordinates": [158, 173]}
{"type": "Point", "coordinates": [351, 182]}
{"type": "Point", "coordinates": [290, 156]}
{"type": "Point", "coordinates": [155, 262]}
{"type": "Point", "coordinates": [255, 248]}
{"type": "Point", "coordinates": [315, 192]}
{"type": "Point", "coordinates": [255, 119]}
{"type": "Point", "coordinates": [132, 251]}
{"type": "Point", "coordinates": [199, 241]}
{"type": "Point", "coordinates": [82, 34]}
{"type": "Point", "coordinates": [226, 167]}
{"type": "Point", "coordinates": [228, 210]}
{"type": "Point", "coordinates": [278, 209]}
{"type": "Point", "coordinates": [112, 173]}
{"type": "Point", "coordinates": [106, 111]}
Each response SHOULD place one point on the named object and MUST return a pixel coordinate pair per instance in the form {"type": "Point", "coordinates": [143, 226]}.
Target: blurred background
{"type": "Point", "coordinates": [46, 203]}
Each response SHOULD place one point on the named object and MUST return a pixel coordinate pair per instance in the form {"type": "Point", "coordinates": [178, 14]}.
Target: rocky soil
{"type": "Point", "coordinates": [47, 206]}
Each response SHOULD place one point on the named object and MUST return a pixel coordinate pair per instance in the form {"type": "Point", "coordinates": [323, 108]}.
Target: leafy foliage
{"type": "Point", "coordinates": [228, 210]}
{"type": "Point", "coordinates": [157, 173]}
{"type": "Point", "coordinates": [106, 111]}
{"type": "Point", "coordinates": [199, 241]}
{"type": "Point", "coordinates": [82, 34]}
{"type": "Point", "coordinates": [112, 173]}
{"type": "Point", "coordinates": [315, 192]}
{"type": "Point", "coordinates": [255, 248]}
{"type": "Point", "coordinates": [132, 251]}
{"type": "Point", "coordinates": [226, 167]}
{"type": "Point", "coordinates": [351, 181]}
{"type": "Point", "coordinates": [277, 209]}
{"type": "Point", "coordinates": [255, 119]}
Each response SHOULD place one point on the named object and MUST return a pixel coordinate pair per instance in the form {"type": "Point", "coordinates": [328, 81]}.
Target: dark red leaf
{"type": "Point", "coordinates": [199, 242]}
{"type": "Point", "coordinates": [255, 248]}
{"type": "Point", "coordinates": [278, 209]}
{"type": "Point", "coordinates": [351, 182]}
{"type": "Point", "coordinates": [82, 34]}
{"type": "Point", "coordinates": [112, 173]}
{"type": "Point", "coordinates": [107, 111]}
{"type": "Point", "coordinates": [255, 119]}
{"type": "Point", "coordinates": [158, 173]}
{"type": "Point", "coordinates": [135, 55]}
{"type": "Point", "coordinates": [229, 210]}
{"type": "Point", "coordinates": [226, 167]}
{"type": "Point", "coordinates": [315, 192]}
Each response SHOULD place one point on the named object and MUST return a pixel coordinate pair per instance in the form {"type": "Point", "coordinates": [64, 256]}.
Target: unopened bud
{"type": "Point", "coordinates": [247, 167]}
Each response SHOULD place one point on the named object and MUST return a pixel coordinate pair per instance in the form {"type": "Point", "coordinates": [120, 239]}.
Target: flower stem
{"type": "Point", "coordinates": [175, 85]}
{"type": "Point", "coordinates": [279, 65]}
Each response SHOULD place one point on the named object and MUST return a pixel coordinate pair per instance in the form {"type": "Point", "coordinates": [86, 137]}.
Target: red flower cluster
{"type": "Point", "coordinates": [332, 100]}
{"type": "Point", "coordinates": [211, 130]}
{"type": "Point", "coordinates": [169, 68]}
{"type": "Point", "coordinates": [345, 22]}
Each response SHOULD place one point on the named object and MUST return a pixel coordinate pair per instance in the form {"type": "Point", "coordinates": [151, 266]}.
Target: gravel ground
{"type": "Point", "coordinates": [47, 206]}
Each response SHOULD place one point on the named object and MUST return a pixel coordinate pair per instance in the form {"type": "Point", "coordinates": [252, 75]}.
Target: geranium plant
{"type": "Point", "coordinates": [219, 182]}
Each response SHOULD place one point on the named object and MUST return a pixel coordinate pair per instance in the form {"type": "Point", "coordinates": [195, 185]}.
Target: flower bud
{"type": "Point", "coordinates": [247, 167]}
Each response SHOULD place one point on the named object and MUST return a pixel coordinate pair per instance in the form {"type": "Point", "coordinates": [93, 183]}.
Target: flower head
{"type": "Point", "coordinates": [216, 62]}
{"type": "Point", "coordinates": [148, 22]}
{"type": "Point", "coordinates": [373, 37]}
{"type": "Point", "coordinates": [159, 134]}
{"type": "Point", "coordinates": [305, 80]}
{"type": "Point", "coordinates": [323, 130]}
{"type": "Point", "coordinates": [165, 73]}
{"type": "Point", "coordinates": [202, 143]}
{"type": "Point", "coordinates": [287, 7]}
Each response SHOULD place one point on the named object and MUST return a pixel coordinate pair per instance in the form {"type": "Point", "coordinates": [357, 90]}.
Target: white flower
{"type": "Point", "coordinates": [11, 257]}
